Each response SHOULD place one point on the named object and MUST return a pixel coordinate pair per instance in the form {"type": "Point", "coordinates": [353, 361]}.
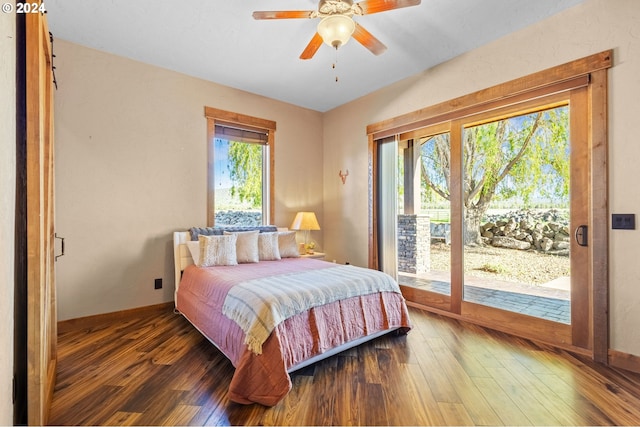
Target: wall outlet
{"type": "Point", "coordinates": [157, 284]}
{"type": "Point", "coordinates": [623, 221]}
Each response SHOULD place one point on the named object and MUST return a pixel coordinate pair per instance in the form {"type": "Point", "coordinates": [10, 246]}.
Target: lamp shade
{"type": "Point", "coordinates": [305, 221]}
{"type": "Point", "coordinates": [336, 30]}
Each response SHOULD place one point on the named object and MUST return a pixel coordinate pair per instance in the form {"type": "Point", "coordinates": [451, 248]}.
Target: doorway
{"type": "Point", "coordinates": [507, 196]}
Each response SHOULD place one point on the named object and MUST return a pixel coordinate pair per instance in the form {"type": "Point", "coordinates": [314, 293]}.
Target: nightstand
{"type": "Point", "coordinates": [316, 255]}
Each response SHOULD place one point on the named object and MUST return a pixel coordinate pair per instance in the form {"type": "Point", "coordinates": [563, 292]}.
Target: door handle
{"type": "Point", "coordinates": [582, 235]}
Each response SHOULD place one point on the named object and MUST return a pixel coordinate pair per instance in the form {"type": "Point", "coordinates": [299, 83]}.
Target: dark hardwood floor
{"type": "Point", "coordinates": [156, 369]}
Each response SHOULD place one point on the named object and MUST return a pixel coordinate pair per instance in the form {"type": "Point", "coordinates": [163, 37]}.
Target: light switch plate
{"type": "Point", "coordinates": [623, 221]}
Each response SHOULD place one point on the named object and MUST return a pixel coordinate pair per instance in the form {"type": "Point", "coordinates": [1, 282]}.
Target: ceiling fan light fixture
{"type": "Point", "coordinates": [336, 30]}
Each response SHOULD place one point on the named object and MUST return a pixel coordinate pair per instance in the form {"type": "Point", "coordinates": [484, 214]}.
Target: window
{"type": "Point", "coordinates": [240, 172]}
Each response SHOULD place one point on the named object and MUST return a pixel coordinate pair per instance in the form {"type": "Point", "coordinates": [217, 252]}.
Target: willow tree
{"type": "Point", "coordinates": [524, 159]}
{"type": "Point", "coordinates": [245, 172]}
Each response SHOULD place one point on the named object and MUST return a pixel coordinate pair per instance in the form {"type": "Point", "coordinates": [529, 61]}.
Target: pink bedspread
{"type": "Point", "coordinates": [264, 378]}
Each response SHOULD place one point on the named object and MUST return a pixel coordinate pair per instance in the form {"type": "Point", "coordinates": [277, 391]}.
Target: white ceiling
{"type": "Point", "coordinates": [219, 41]}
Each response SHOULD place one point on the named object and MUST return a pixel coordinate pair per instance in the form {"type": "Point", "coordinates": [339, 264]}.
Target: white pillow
{"type": "Point", "coordinates": [287, 244]}
{"type": "Point", "coordinates": [246, 246]}
{"type": "Point", "coordinates": [194, 249]}
{"type": "Point", "coordinates": [268, 246]}
{"type": "Point", "coordinates": [217, 250]}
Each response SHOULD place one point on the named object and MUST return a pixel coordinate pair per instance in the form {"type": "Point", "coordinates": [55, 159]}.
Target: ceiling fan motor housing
{"type": "Point", "coordinates": [333, 7]}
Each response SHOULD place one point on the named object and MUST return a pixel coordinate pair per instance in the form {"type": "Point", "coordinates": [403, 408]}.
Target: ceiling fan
{"type": "Point", "coordinates": [337, 25]}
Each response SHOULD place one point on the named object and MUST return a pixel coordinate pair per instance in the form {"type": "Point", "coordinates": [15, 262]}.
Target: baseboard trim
{"type": "Point", "coordinates": [629, 362]}
{"type": "Point", "coordinates": [92, 321]}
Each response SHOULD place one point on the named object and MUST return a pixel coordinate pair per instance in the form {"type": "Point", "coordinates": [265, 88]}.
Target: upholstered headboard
{"type": "Point", "coordinates": [218, 231]}
{"type": "Point", "coordinates": [181, 255]}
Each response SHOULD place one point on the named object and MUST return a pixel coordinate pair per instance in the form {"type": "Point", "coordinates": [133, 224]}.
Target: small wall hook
{"type": "Point", "coordinates": [343, 176]}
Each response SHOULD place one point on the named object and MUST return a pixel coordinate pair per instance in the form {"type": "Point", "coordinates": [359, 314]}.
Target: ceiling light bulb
{"type": "Point", "coordinates": [336, 30]}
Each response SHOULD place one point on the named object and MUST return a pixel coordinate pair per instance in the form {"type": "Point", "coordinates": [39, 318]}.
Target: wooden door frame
{"type": "Point", "coordinates": [40, 240]}
{"type": "Point", "coordinates": [593, 69]}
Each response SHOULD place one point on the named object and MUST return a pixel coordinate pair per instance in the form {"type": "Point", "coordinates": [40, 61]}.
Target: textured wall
{"type": "Point", "coordinates": [131, 167]}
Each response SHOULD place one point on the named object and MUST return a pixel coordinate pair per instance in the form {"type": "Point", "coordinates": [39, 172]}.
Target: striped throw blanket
{"type": "Point", "coordinates": [259, 305]}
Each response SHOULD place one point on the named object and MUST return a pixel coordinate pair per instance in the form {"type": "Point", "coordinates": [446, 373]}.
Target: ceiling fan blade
{"type": "Point", "coordinates": [312, 47]}
{"type": "Point", "coordinates": [367, 7]}
{"type": "Point", "coordinates": [283, 14]}
{"type": "Point", "coordinates": [366, 39]}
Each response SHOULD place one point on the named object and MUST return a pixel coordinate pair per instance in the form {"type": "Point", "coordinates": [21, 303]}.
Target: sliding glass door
{"type": "Point", "coordinates": [491, 215]}
{"type": "Point", "coordinates": [502, 214]}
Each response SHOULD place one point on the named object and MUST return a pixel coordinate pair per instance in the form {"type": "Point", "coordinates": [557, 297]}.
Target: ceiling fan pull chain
{"type": "Point", "coordinates": [335, 64]}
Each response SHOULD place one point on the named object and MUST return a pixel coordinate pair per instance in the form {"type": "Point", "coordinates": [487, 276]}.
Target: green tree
{"type": "Point", "coordinates": [525, 158]}
{"type": "Point", "coordinates": [245, 172]}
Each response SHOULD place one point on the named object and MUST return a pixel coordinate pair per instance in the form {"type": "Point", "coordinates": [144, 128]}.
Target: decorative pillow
{"type": "Point", "coordinates": [268, 246]}
{"type": "Point", "coordinates": [194, 249]}
{"type": "Point", "coordinates": [287, 244]}
{"type": "Point", "coordinates": [246, 246]}
{"type": "Point", "coordinates": [217, 250]}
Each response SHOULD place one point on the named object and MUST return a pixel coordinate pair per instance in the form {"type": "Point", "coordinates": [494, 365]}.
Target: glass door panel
{"type": "Point", "coordinates": [424, 226]}
{"type": "Point", "coordinates": [387, 201]}
{"type": "Point", "coordinates": [516, 214]}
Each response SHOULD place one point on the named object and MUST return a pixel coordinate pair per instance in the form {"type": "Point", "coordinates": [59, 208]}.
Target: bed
{"type": "Point", "coordinates": [281, 312]}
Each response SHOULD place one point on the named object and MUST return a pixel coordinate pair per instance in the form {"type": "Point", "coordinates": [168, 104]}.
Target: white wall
{"type": "Point", "coordinates": [131, 167]}
{"type": "Point", "coordinates": [594, 26]}
{"type": "Point", "coordinates": [7, 209]}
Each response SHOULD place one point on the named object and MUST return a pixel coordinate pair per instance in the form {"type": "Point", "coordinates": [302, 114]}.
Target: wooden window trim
{"type": "Point", "coordinates": [241, 119]}
{"type": "Point", "coordinates": [216, 116]}
{"type": "Point", "coordinates": [524, 86]}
